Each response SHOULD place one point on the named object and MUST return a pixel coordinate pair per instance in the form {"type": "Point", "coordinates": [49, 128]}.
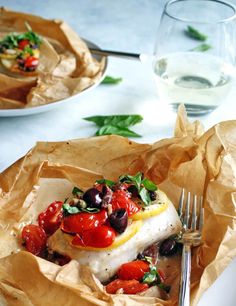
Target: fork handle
{"type": "Point", "coordinates": [184, 292]}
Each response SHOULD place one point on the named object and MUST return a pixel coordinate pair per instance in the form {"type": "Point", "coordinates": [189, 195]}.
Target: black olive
{"type": "Point", "coordinates": [106, 196]}
{"type": "Point", "coordinates": [141, 256]}
{"type": "Point", "coordinates": [168, 247]}
{"type": "Point", "coordinates": [153, 195]}
{"type": "Point", "coordinates": [119, 220]}
{"type": "Point", "coordinates": [93, 198]}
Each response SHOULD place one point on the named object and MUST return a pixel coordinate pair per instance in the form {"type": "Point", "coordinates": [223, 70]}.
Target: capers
{"type": "Point", "coordinates": [119, 220]}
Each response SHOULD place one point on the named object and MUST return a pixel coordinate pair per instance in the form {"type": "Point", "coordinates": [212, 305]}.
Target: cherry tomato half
{"type": "Point", "coordinates": [23, 43]}
{"type": "Point", "coordinates": [133, 270]}
{"type": "Point", "coordinates": [31, 61]}
{"type": "Point", "coordinates": [129, 286]}
{"type": "Point", "coordinates": [100, 237]}
{"type": "Point", "coordinates": [34, 238]}
{"type": "Point", "coordinates": [121, 199]}
{"type": "Point", "coordinates": [50, 218]}
{"type": "Point", "coordinates": [83, 221]}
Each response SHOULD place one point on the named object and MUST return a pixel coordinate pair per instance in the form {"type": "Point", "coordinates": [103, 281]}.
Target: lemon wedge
{"type": "Point", "coordinates": [130, 231]}
{"type": "Point", "coordinates": [150, 211]}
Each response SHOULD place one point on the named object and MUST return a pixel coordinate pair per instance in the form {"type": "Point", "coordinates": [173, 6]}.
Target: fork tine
{"type": "Point", "coordinates": [181, 202]}
{"type": "Point", "coordinates": [201, 214]}
{"type": "Point", "coordinates": [194, 214]}
{"type": "Point", "coordinates": [187, 208]}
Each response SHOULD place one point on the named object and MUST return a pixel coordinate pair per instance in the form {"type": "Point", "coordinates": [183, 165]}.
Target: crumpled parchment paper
{"type": "Point", "coordinates": [203, 163]}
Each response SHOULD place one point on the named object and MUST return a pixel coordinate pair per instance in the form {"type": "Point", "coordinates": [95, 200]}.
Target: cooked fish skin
{"type": "Point", "coordinates": [104, 264]}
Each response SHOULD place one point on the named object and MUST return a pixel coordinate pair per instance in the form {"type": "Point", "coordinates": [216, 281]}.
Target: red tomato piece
{"type": "Point", "coordinates": [50, 218]}
{"type": "Point", "coordinates": [83, 221]}
{"type": "Point", "coordinates": [133, 270]}
{"type": "Point", "coordinates": [23, 43]}
{"type": "Point", "coordinates": [34, 238]}
{"type": "Point", "coordinates": [31, 61]}
{"type": "Point", "coordinates": [99, 237]}
{"type": "Point", "coordinates": [121, 199]}
{"type": "Point", "coordinates": [129, 286]}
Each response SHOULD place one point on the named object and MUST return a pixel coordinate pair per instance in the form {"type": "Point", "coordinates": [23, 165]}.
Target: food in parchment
{"type": "Point", "coordinates": [105, 227]}
{"type": "Point", "coordinates": [19, 52]}
{"type": "Point", "coordinates": [40, 73]}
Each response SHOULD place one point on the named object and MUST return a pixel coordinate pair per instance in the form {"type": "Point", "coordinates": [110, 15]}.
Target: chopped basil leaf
{"type": "Point", "coordinates": [70, 210]}
{"type": "Point", "coordinates": [106, 182]}
{"type": "Point", "coordinates": [111, 80]}
{"type": "Point", "coordinates": [116, 130]}
{"type": "Point", "coordinates": [143, 186]}
{"type": "Point", "coordinates": [152, 277]}
{"type": "Point", "coordinates": [149, 185]}
{"type": "Point", "coordinates": [195, 34]}
{"type": "Point", "coordinates": [90, 210]}
{"type": "Point", "coordinates": [202, 48]}
{"type": "Point", "coordinates": [77, 192]}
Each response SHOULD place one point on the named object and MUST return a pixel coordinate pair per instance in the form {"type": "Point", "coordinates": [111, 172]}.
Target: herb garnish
{"type": "Point", "coordinates": [111, 80]}
{"type": "Point", "coordinates": [202, 47]}
{"type": "Point", "coordinates": [143, 186]}
{"type": "Point", "coordinates": [153, 278]}
{"type": "Point", "coordinates": [106, 182]}
{"type": "Point", "coordinates": [77, 192]}
{"type": "Point", "coordinates": [71, 210]}
{"type": "Point", "coordinates": [195, 34]}
{"type": "Point", "coordinates": [115, 124]}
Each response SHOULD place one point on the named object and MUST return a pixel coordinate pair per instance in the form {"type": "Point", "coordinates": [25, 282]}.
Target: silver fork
{"type": "Point", "coordinates": [192, 220]}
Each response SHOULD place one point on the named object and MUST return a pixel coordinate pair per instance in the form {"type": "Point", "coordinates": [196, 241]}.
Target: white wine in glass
{"type": "Point", "coordinates": [195, 54]}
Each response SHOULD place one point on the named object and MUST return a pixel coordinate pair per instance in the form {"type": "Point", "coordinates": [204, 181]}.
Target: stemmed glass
{"type": "Point", "coordinates": [194, 60]}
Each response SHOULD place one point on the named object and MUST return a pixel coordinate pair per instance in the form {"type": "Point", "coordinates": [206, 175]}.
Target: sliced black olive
{"type": "Point", "coordinates": [133, 190]}
{"type": "Point", "coordinates": [119, 220]}
{"type": "Point", "coordinates": [168, 247]}
{"type": "Point", "coordinates": [106, 196]}
{"type": "Point", "coordinates": [93, 198]}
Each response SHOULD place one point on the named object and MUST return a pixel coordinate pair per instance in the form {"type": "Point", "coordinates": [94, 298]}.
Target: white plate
{"type": "Point", "coordinates": [43, 108]}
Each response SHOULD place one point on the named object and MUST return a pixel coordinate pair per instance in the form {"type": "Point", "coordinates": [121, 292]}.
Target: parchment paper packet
{"type": "Point", "coordinates": [203, 163]}
{"type": "Point", "coordinates": [66, 66]}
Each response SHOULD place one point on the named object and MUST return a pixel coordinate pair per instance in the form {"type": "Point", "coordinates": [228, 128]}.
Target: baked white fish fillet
{"type": "Point", "coordinates": [104, 264]}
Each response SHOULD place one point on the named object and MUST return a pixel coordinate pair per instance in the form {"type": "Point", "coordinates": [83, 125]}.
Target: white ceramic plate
{"type": "Point", "coordinates": [50, 106]}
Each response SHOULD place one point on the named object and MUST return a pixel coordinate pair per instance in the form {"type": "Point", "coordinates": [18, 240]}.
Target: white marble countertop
{"type": "Point", "coordinates": [118, 25]}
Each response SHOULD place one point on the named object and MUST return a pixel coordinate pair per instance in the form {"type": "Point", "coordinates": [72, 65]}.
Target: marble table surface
{"type": "Point", "coordinates": [118, 25]}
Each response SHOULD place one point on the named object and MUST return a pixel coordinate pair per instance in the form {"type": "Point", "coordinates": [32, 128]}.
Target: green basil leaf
{"type": "Point", "coordinates": [149, 278]}
{"type": "Point", "coordinates": [70, 210]}
{"type": "Point", "coordinates": [195, 34]}
{"type": "Point", "coordinates": [201, 48]}
{"type": "Point", "coordinates": [149, 185]}
{"type": "Point", "coordinates": [111, 80]}
{"type": "Point", "coordinates": [116, 130]}
{"type": "Point", "coordinates": [77, 192]}
{"type": "Point", "coordinates": [132, 179]}
{"type": "Point", "coordinates": [90, 210]}
{"type": "Point", "coordinates": [106, 182]}
{"type": "Point", "coordinates": [145, 196]}
{"type": "Point", "coordinates": [117, 120]}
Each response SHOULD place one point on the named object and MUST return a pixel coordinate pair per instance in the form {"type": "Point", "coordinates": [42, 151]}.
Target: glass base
{"type": "Point", "coordinates": [194, 109]}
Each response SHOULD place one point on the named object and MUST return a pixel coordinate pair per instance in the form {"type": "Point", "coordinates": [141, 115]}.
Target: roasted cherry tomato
{"type": "Point", "coordinates": [31, 61]}
{"type": "Point", "coordinates": [133, 270]}
{"type": "Point", "coordinates": [50, 218]}
{"type": "Point", "coordinates": [128, 286]}
{"type": "Point", "coordinates": [99, 237]}
{"type": "Point", "coordinates": [121, 199]}
{"type": "Point", "coordinates": [83, 221]}
{"type": "Point", "coordinates": [23, 43]}
{"type": "Point", "coordinates": [34, 238]}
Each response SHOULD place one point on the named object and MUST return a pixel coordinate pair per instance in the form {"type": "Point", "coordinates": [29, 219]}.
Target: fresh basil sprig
{"type": "Point", "coordinates": [111, 80]}
{"type": "Point", "coordinates": [115, 124]}
{"type": "Point", "coordinates": [143, 186]}
{"type": "Point", "coordinates": [195, 34]}
{"type": "Point", "coordinates": [202, 48]}
{"type": "Point", "coordinates": [77, 192]}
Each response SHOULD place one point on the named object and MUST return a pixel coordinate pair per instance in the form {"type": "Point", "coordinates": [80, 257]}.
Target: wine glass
{"type": "Point", "coordinates": [194, 57]}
